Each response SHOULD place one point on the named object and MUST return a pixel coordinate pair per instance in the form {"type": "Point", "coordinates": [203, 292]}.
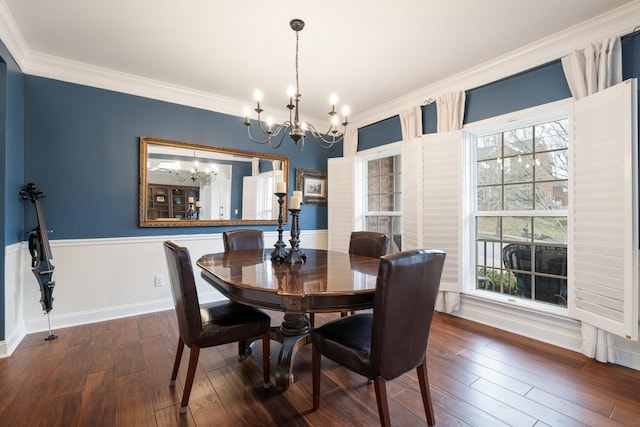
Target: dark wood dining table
{"type": "Point", "coordinates": [328, 281]}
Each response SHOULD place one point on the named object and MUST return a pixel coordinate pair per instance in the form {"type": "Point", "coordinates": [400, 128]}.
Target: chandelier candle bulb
{"type": "Point", "coordinates": [295, 203]}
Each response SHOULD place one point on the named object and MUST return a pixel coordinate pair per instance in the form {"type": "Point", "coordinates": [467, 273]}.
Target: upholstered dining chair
{"type": "Point", "coordinates": [365, 243]}
{"type": "Point", "coordinates": [393, 339]}
{"type": "Point", "coordinates": [208, 325]}
{"type": "Point", "coordinates": [368, 243]}
{"type": "Point", "coordinates": [242, 239]}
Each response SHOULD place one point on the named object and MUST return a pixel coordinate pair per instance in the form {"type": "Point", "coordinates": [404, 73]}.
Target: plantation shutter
{"type": "Point", "coordinates": [442, 196]}
{"type": "Point", "coordinates": [603, 262]}
{"type": "Point", "coordinates": [412, 194]}
{"type": "Point", "coordinates": [341, 189]}
{"type": "Point", "coordinates": [250, 197]}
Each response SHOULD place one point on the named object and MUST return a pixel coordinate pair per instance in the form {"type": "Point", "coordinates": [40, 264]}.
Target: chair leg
{"type": "Point", "coordinates": [242, 348]}
{"type": "Point", "coordinates": [191, 372]}
{"type": "Point", "coordinates": [266, 350]}
{"type": "Point", "coordinates": [176, 363]}
{"type": "Point", "coordinates": [312, 320]}
{"type": "Point", "coordinates": [381, 399]}
{"type": "Point", "coordinates": [426, 393]}
{"type": "Point", "coordinates": [315, 377]}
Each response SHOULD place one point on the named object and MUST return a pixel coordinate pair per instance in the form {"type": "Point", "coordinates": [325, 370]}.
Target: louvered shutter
{"type": "Point", "coordinates": [603, 218]}
{"type": "Point", "coordinates": [250, 197]}
{"type": "Point", "coordinates": [341, 188]}
{"type": "Point", "coordinates": [442, 197]}
{"type": "Point", "coordinates": [412, 194]}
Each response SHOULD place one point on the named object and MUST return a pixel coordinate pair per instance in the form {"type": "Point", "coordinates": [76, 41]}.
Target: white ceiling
{"type": "Point", "coordinates": [368, 52]}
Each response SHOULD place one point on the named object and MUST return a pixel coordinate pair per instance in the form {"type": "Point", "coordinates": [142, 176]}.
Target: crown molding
{"type": "Point", "coordinates": [619, 21]}
{"type": "Point", "coordinates": [11, 36]}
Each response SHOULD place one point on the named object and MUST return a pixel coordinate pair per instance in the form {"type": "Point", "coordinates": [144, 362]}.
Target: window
{"type": "Point", "coordinates": [520, 216]}
{"type": "Point", "coordinates": [383, 199]}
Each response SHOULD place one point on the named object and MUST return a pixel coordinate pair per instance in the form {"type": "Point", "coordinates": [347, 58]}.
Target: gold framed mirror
{"type": "Point", "coordinates": [187, 184]}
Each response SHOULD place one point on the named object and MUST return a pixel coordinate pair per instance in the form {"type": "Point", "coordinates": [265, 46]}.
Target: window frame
{"type": "Point", "coordinates": [363, 157]}
{"type": "Point", "coordinates": [500, 124]}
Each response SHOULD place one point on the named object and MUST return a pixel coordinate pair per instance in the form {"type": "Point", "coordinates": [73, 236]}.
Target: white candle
{"type": "Point", "coordinates": [281, 187]}
{"type": "Point", "coordinates": [190, 199]}
{"type": "Point", "coordinates": [197, 203]}
{"type": "Point", "coordinates": [295, 203]}
{"type": "Point", "coordinates": [297, 194]}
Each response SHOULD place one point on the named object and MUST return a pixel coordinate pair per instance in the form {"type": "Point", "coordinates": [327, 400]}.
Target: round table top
{"type": "Point", "coordinates": [327, 281]}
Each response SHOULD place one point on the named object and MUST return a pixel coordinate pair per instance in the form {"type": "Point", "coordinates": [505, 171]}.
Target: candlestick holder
{"type": "Point", "coordinates": [280, 252]}
{"type": "Point", "coordinates": [295, 255]}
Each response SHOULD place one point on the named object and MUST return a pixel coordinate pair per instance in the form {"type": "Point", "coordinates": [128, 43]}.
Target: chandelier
{"type": "Point", "coordinates": [203, 177]}
{"type": "Point", "coordinates": [296, 128]}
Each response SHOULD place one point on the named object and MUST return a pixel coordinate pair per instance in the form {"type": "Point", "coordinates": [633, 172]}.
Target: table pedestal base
{"type": "Point", "coordinates": [293, 334]}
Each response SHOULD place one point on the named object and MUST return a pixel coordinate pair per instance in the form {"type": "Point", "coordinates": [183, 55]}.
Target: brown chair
{"type": "Point", "coordinates": [393, 339]}
{"type": "Point", "coordinates": [365, 243]}
{"type": "Point", "coordinates": [242, 239]}
{"type": "Point", "coordinates": [368, 243]}
{"type": "Point", "coordinates": [208, 325]}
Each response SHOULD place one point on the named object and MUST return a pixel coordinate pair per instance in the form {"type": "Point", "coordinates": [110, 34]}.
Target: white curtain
{"type": "Point", "coordinates": [450, 117]}
{"type": "Point", "coordinates": [450, 111]}
{"type": "Point", "coordinates": [594, 68]}
{"type": "Point", "coordinates": [411, 124]}
{"type": "Point", "coordinates": [350, 142]}
{"type": "Point", "coordinates": [589, 71]}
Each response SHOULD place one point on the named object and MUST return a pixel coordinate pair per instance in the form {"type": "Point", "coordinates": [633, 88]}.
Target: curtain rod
{"type": "Point", "coordinates": [632, 34]}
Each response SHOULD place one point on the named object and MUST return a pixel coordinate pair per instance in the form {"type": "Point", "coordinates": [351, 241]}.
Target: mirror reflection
{"type": "Point", "coordinates": [186, 184]}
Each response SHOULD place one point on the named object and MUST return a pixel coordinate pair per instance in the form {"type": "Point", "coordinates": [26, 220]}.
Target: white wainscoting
{"type": "Point", "coordinates": [102, 279]}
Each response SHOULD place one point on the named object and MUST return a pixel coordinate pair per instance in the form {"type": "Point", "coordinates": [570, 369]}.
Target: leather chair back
{"type": "Point", "coordinates": [406, 292]}
{"type": "Point", "coordinates": [183, 289]}
{"type": "Point", "coordinates": [368, 243]}
{"type": "Point", "coordinates": [243, 239]}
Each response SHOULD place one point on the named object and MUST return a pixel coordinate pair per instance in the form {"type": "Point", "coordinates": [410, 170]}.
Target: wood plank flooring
{"type": "Point", "coordinates": [116, 373]}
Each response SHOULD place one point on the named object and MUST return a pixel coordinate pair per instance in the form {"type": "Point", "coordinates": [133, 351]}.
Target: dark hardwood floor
{"type": "Point", "coordinates": [116, 373]}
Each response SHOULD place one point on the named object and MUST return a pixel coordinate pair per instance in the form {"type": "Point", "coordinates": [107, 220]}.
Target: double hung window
{"type": "Point", "coordinates": [383, 199]}
{"type": "Point", "coordinates": [520, 212]}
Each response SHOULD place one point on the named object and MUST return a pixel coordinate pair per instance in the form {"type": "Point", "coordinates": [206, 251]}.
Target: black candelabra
{"type": "Point", "coordinates": [295, 255]}
{"type": "Point", "coordinates": [280, 252]}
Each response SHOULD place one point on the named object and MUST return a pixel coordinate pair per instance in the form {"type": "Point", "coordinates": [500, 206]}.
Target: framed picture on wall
{"type": "Point", "coordinates": [313, 184]}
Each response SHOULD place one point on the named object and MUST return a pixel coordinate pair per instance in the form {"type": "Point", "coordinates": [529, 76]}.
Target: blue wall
{"type": "Point", "coordinates": [11, 157]}
{"type": "Point", "coordinates": [82, 151]}
{"type": "Point", "coordinates": [537, 86]}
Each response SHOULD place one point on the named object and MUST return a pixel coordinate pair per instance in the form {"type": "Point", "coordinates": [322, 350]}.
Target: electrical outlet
{"type": "Point", "coordinates": [158, 280]}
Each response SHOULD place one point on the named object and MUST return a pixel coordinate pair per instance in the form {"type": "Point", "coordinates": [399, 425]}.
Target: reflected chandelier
{"type": "Point", "coordinates": [297, 129]}
{"type": "Point", "coordinates": [206, 177]}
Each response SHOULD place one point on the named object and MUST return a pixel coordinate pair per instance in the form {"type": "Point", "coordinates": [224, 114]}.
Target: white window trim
{"type": "Point", "coordinates": [504, 123]}
{"type": "Point", "coordinates": [362, 158]}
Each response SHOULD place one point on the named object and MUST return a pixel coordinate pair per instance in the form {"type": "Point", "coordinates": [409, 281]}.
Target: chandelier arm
{"type": "Point", "coordinates": [323, 140]}
{"type": "Point", "coordinates": [266, 131]}
{"type": "Point", "coordinates": [269, 138]}
{"type": "Point", "coordinates": [178, 176]}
